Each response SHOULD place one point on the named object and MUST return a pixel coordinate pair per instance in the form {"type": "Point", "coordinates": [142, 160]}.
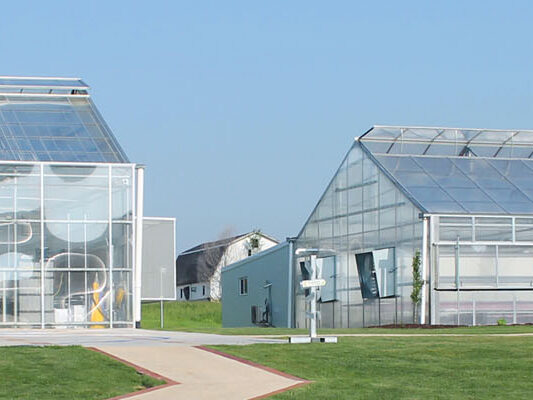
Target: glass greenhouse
{"type": "Point", "coordinates": [67, 210]}
{"type": "Point", "coordinates": [462, 198]}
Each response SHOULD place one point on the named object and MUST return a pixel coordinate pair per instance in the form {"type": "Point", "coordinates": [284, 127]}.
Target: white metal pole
{"type": "Point", "coordinates": [312, 322]}
{"type": "Point", "coordinates": [290, 288]}
{"type": "Point", "coordinates": [423, 296]}
{"type": "Point", "coordinates": [162, 316]}
{"type": "Point", "coordinates": [138, 242]}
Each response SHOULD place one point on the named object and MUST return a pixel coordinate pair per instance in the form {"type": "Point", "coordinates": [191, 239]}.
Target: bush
{"type": "Point", "coordinates": [502, 322]}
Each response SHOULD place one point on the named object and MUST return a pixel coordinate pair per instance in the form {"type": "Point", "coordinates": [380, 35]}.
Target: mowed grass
{"type": "Point", "coordinates": [480, 367]}
{"type": "Point", "coordinates": [65, 373]}
{"type": "Point", "coordinates": [206, 317]}
{"type": "Point", "coordinates": [199, 316]}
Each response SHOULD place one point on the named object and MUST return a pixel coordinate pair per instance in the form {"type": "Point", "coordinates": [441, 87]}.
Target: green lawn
{"type": "Point", "coordinates": [203, 316]}
{"type": "Point", "coordinates": [403, 368]}
{"type": "Point", "coordinates": [65, 373]}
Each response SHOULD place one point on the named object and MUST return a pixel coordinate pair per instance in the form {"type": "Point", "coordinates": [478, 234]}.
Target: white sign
{"type": "Point", "coordinates": [312, 283]}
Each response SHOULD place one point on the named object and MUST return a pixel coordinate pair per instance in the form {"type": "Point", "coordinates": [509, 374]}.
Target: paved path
{"type": "Point", "coordinates": [120, 337]}
{"type": "Point", "coordinates": [396, 335]}
{"type": "Point", "coordinates": [201, 374]}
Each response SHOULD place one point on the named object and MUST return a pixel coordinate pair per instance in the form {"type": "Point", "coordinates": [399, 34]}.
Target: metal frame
{"type": "Point", "coordinates": [173, 266]}
{"type": "Point", "coordinates": [44, 270]}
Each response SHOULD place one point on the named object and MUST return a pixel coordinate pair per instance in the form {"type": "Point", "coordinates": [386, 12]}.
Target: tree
{"type": "Point", "coordinates": [418, 283]}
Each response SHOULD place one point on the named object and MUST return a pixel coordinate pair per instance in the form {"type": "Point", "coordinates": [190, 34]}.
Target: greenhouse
{"type": "Point", "coordinates": [456, 204]}
{"type": "Point", "coordinates": [67, 210]}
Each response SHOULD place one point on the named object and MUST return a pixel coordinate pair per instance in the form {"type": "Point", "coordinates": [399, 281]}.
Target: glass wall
{"type": "Point", "coordinates": [66, 245]}
{"type": "Point", "coordinates": [361, 212]}
{"type": "Point", "coordinates": [483, 269]}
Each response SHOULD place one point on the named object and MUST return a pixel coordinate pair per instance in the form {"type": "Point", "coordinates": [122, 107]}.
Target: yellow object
{"type": "Point", "coordinates": [120, 296]}
{"type": "Point", "coordinates": [96, 314]}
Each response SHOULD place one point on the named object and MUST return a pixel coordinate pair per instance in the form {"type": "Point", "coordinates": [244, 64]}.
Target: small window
{"type": "Point", "coordinates": [203, 290]}
{"type": "Point", "coordinates": [181, 293]}
{"type": "Point", "coordinates": [249, 252]}
{"type": "Point", "coordinates": [243, 286]}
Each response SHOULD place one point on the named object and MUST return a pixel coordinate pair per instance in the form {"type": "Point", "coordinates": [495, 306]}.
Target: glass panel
{"type": "Point", "coordinates": [515, 266]}
{"type": "Point", "coordinates": [123, 298]}
{"type": "Point", "coordinates": [327, 266]}
{"type": "Point", "coordinates": [494, 233]}
{"type": "Point", "coordinates": [122, 193]}
{"type": "Point", "coordinates": [84, 193]}
{"type": "Point", "coordinates": [122, 248]}
{"type": "Point", "coordinates": [385, 271]}
{"type": "Point", "coordinates": [55, 128]}
{"type": "Point", "coordinates": [477, 266]}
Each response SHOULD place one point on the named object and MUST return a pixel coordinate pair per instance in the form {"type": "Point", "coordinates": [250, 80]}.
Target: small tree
{"type": "Point", "coordinates": [418, 283]}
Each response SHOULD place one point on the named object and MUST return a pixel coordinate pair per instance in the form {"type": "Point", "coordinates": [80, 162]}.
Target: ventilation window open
{"type": "Point", "coordinates": [377, 273]}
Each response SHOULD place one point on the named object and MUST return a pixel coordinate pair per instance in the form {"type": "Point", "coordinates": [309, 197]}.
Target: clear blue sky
{"type": "Point", "coordinates": [242, 111]}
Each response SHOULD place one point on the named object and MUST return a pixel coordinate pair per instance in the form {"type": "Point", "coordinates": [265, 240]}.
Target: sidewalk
{"type": "Point", "coordinates": [202, 374]}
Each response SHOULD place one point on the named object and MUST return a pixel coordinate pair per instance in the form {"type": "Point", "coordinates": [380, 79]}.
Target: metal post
{"type": "Point", "coordinates": [312, 322]}
{"type": "Point", "coordinates": [138, 244]}
{"type": "Point", "coordinates": [457, 279]}
{"type": "Point", "coordinates": [473, 310]}
{"type": "Point", "coordinates": [424, 256]}
{"type": "Point", "coordinates": [162, 315]}
{"type": "Point", "coordinates": [514, 308]}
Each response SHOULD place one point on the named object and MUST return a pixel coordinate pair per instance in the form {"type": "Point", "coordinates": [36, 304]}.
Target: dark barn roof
{"type": "Point", "coordinates": [199, 263]}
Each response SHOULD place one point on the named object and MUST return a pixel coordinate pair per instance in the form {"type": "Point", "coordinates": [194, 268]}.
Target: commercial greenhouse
{"type": "Point", "coordinates": [462, 198]}
{"type": "Point", "coordinates": [67, 210]}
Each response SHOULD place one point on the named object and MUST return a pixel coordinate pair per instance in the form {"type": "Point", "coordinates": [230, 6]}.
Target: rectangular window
{"type": "Point", "coordinates": [243, 286]}
{"type": "Point", "coordinates": [203, 290]}
{"type": "Point", "coordinates": [328, 268]}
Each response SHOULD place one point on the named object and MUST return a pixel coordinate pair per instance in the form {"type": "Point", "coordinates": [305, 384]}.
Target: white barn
{"type": "Point", "coordinates": [198, 269]}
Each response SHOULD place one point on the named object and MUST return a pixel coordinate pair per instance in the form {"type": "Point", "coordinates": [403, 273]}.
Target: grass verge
{"type": "Point", "coordinates": [71, 372]}
{"type": "Point", "coordinates": [206, 317]}
{"type": "Point", "coordinates": [402, 368]}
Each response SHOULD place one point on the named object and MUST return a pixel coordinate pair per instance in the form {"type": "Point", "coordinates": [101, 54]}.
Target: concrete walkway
{"type": "Point", "coordinates": [176, 356]}
{"type": "Point", "coordinates": [202, 374]}
{"type": "Point", "coordinates": [120, 337]}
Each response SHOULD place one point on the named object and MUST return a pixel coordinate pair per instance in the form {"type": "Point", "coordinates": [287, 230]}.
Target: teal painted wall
{"type": "Point", "coordinates": [271, 266]}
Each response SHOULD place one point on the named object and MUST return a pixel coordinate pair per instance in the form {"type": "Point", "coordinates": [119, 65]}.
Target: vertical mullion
{"type": "Point", "coordinates": [43, 315]}
{"type": "Point", "coordinates": [134, 244]}
{"type": "Point", "coordinates": [110, 222]}
{"type": "Point", "coordinates": [85, 287]}
{"type": "Point", "coordinates": [16, 285]}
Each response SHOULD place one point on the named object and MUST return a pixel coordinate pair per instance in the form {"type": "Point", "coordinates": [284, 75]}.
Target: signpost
{"type": "Point", "coordinates": [313, 285]}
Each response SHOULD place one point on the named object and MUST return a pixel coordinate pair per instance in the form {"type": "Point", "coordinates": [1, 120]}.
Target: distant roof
{"type": "Point", "coordinates": [432, 141]}
{"type": "Point", "coordinates": [198, 264]}
{"type": "Point", "coordinates": [27, 83]}
{"type": "Point", "coordinates": [457, 171]}
{"type": "Point", "coordinates": [53, 119]}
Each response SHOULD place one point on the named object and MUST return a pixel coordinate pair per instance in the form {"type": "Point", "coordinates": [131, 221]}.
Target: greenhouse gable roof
{"type": "Point", "coordinates": [53, 119]}
{"type": "Point", "coordinates": [457, 171]}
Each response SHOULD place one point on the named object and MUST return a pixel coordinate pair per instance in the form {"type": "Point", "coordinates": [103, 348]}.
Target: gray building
{"type": "Point", "coordinates": [257, 290]}
{"type": "Point", "coordinates": [460, 198]}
